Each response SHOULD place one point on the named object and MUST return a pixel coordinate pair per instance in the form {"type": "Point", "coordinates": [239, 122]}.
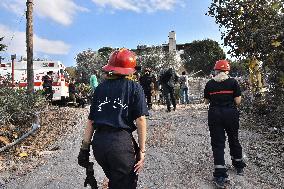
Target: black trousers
{"type": "Point", "coordinates": [114, 151]}
{"type": "Point", "coordinates": [47, 91]}
{"type": "Point", "coordinates": [148, 96]}
{"type": "Point", "coordinates": [169, 94]}
{"type": "Point", "coordinates": [223, 120]}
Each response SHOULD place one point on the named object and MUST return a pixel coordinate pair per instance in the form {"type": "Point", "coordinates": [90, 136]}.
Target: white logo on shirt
{"type": "Point", "coordinates": [115, 104]}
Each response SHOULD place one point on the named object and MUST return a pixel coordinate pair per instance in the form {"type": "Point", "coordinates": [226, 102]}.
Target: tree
{"type": "Point", "coordinates": [239, 67]}
{"type": "Point", "coordinates": [87, 62]}
{"type": "Point", "coordinates": [104, 53]}
{"type": "Point", "coordinates": [151, 58]}
{"type": "Point", "coordinates": [2, 46]}
{"type": "Point", "coordinates": [157, 59]}
{"type": "Point", "coordinates": [202, 55]}
{"type": "Point", "coordinates": [253, 29]}
{"type": "Point", "coordinates": [72, 72]}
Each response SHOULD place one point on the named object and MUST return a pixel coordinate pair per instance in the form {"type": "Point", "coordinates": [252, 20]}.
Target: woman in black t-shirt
{"type": "Point", "coordinates": [117, 103]}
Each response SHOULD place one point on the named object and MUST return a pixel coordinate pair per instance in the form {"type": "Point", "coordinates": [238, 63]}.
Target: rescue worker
{"type": "Point", "coordinates": [147, 83]}
{"type": "Point", "coordinates": [167, 81]}
{"type": "Point", "coordinates": [224, 95]}
{"type": "Point", "coordinates": [47, 85]}
{"type": "Point", "coordinates": [117, 103]}
{"type": "Point", "coordinates": [72, 91]}
{"type": "Point", "coordinates": [82, 95]}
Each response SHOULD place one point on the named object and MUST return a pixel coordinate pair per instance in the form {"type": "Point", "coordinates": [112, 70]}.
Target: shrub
{"type": "Point", "coordinates": [17, 107]}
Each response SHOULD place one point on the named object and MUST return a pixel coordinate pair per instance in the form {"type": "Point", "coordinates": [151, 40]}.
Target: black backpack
{"type": "Point", "coordinates": [165, 77]}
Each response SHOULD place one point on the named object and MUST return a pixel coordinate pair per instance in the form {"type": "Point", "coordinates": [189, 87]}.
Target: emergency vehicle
{"type": "Point", "coordinates": [59, 75]}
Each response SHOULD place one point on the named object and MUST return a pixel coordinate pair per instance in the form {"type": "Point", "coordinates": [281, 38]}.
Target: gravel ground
{"type": "Point", "coordinates": [178, 156]}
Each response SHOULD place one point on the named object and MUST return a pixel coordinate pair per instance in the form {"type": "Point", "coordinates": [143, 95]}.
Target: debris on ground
{"type": "Point", "coordinates": [178, 154]}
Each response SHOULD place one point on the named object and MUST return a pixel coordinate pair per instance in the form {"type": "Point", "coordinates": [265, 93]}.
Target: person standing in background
{"type": "Point", "coordinates": [183, 80]}
{"type": "Point", "coordinates": [47, 85]}
{"type": "Point", "coordinates": [94, 81]}
{"type": "Point", "coordinates": [168, 79]}
{"type": "Point", "coordinates": [72, 91]}
{"type": "Point", "coordinates": [147, 83]}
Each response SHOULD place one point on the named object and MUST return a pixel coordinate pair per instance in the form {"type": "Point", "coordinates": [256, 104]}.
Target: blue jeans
{"type": "Point", "coordinates": [184, 96]}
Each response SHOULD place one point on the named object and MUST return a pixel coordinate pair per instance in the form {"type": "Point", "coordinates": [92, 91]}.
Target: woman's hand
{"type": "Point", "coordinates": [139, 165]}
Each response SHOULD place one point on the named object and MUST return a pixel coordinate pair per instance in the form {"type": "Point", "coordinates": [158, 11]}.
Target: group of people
{"type": "Point", "coordinates": [77, 90]}
{"type": "Point", "coordinates": [168, 88]}
{"type": "Point", "coordinates": [119, 107]}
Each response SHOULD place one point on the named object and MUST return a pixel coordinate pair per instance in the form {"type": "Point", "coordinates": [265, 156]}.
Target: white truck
{"type": "Point", "coordinates": [59, 85]}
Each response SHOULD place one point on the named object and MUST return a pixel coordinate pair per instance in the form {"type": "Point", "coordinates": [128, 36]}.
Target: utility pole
{"type": "Point", "coordinates": [29, 40]}
{"type": "Point", "coordinates": [1, 59]}
{"type": "Point", "coordinates": [13, 57]}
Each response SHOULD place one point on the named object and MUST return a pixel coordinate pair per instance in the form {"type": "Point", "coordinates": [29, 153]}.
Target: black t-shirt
{"type": "Point", "coordinates": [117, 103]}
{"type": "Point", "coordinates": [145, 81]}
{"type": "Point", "coordinates": [47, 81]}
{"type": "Point", "coordinates": [72, 88]}
{"type": "Point", "coordinates": [169, 78]}
{"type": "Point", "coordinates": [222, 93]}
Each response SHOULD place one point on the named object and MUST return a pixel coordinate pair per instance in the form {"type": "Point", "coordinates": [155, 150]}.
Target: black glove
{"type": "Point", "coordinates": [84, 155]}
{"type": "Point", "coordinates": [90, 179]}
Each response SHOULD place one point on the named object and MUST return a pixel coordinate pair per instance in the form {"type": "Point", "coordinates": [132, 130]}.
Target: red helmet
{"type": "Point", "coordinates": [122, 62]}
{"type": "Point", "coordinates": [222, 65]}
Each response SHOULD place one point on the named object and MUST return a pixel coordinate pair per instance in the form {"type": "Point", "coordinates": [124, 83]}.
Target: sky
{"type": "Point", "coordinates": [64, 28]}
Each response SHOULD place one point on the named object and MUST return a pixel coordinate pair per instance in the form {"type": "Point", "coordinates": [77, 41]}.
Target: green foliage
{"type": "Point", "coordinates": [202, 55]}
{"type": "Point", "coordinates": [104, 53]}
{"type": "Point", "coordinates": [253, 28]}
{"type": "Point", "coordinates": [18, 107]}
{"type": "Point", "coordinates": [2, 46]}
{"type": "Point", "coordinates": [85, 90]}
{"type": "Point", "coordinates": [87, 62]}
{"type": "Point", "coordinates": [239, 67]}
{"type": "Point", "coordinates": [72, 72]}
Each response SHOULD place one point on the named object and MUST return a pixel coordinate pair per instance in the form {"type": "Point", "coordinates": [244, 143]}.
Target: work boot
{"type": "Point", "coordinates": [240, 171]}
{"type": "Point", "coordinates": [174, 108]}
{"type": "Point", "coordinates": [219, 182]}
{"type": "Point", "coordinates": [239, 166]}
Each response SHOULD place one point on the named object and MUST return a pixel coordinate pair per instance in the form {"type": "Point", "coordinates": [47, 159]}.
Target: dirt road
{"type": "Point", "coordinates": [178, 156]}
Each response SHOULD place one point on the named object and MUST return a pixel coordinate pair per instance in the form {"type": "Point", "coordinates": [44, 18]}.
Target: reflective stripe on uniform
{"type": "Point", "coordinates": [221, 92]}
{"type": "Point", "coordinates": [238, 159]}
{"type": "Point", "coordinates": [219, 166]}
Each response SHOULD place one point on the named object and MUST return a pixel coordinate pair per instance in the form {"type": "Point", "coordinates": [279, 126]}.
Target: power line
{"type": "Point", "coordinates": [20, 19]}
{"type": "Point", "coordinates": [18, 26]}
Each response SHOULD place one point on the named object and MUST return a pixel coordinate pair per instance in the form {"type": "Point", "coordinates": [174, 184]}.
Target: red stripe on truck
{"type": "Point", "coordinates": [36, 84]}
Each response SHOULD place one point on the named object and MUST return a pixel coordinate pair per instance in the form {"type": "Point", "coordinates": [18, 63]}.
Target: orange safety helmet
{"type": "Point", "coordinates": [222, 65]}
{"type": "Point", "coordinates": [121, 62]}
